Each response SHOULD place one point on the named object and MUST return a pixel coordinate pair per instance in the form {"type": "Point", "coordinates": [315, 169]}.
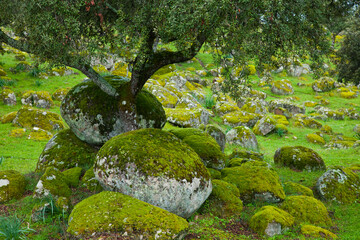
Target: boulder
{"type": "Point", "coordinates": [65, 151]}
{"type": "Point", "coordinates": [90, 182]}
{"type": "Point", "coordinates": [333, 114]}
{"type": "Point", "coordinates": [324, 84]}
{"type": "Point", "coordinates": [52, 182]}
{"type": "Point", "coordinates": [297, 70]}
{"type": "Point", "coordinates": [242, 136]}
{"type": "Point", "coordinates": [307, 209]}
{"type": "Point", "coordinates": [265, 126]}
{"type": "Point", "coordinates": [225, 107]}
{"type": "Point", "coordinates": [357, 129]}
{"type": "Point", "coordinates": [292, 188]}
{"type": "Point", "coordinates": [282, 87]}
{"type": "Point", "coordinates": [60, 94]}
{"type": "Point", "coordinates": [8, 118]}
{"type": "Point", "coordinates": [291, 107]}
{"type": "Point", "coordinates": [167, 98]}
{"type": "Point", "coordinates": [315, 138]}
{"type": "Point", "coordinates": [246, 154]}
{"type": "Point", "coordinates": [255, 183]}
{"type": "Point", "coordinates": [255, 106]}
{"type": "Point", "coordinates": [40, 99]}
{"type": "Point", "coordinates": [223, 201]}
{"type": "Point", "coordinates": [12, 185]}
{"type": "Point", "coordinates": [204, 145]}
{"type": "Point", "coordinates": [299, 158]}
{"type": "Point", "coordinates": [240, 118]}
{"type": "Point", "coordinates": [38, 134]}
{"type": "Point", "coordinates": [156, 167]}
{"type": "Point", "coordinates": [340, 185]}
{"type": "Point", "coordinates": [30, 117]}
{"type": "Point", "coordinates": [218, 134]}
{"type": "Point", "coordinates": [8, 97]}
{"type": "Point", "coordinates": [95, 117]}
{"type": "Point", "coordinates": [112, 212]}
{"type": "Point", "coordinates": [271, 221]}
{"type": "Point", "coordinates": [317, 232]}
{"type": "Point", "coordinates": [188, 101]}
{"type": "Point", "coordinates": [184, 117]}
{"type": "Point", "coordinates": [72, 176]}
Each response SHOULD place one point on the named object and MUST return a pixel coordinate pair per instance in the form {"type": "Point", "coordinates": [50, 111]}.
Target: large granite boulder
{"type": "Point", "coordinates": [156, 167]}
{"type": "Point", "coordinates": [95, 117]}
{"type": "Point", "coordinates": [242, 136]}
{"type": "Point", "coordinates": [122, 215]}
{"type": "Point", "coordinates": [299, 158]}
{"type": "Point", "coordinates": [184, 117]}
{"type": "Point", "coordinates": [40, 99]}
{"type": "Point", "coordinates": [265, 126]}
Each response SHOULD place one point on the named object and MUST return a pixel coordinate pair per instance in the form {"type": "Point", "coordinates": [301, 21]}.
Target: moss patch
{"type": "Point", "coordinates": [52, 182]}
{"type": "Point", "coordinates": [317, 232]}
{"type": "Point", "coordinates": [292, 188]}
{"type": "Point", "coordinates": [12, 185]}
{"type": "Point", "coordinates": [72, 176]}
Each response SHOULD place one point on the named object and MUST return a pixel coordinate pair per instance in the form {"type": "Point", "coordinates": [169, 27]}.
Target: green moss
{"type": "Point", "coordinates": [315, 138]}
{"type": "Point", "coordinates": [90, 181]}
{"type": "Point", "coordinates": [52, 182]}
{"type": "Point", "coordinates": [236, 162]}
{"type": "Point", "coordinates": [299, 158]}
{"type": "Point", "coordinates": [19, 132]}
{"type": "Point", "coordinates": [38, 134]}
{"type": "Point", "coordinates": [8, 118]}
{"type": "Point", "coordinates": [307, 209]}
{"type": "Point", "coordinates": [264, 126]}
{"type": "Point", "coordinates": [324, 84]}
{"type": "Point", "coordinates": [31, 117]}
{"type": "Point", "coordinates": [269, 214]}
{"type": "Point", "coordinates": [255, 182]}
{"type": "Point", "coordinates": [226, 107]}
{"type": "Point", "coordinates": [317, 232]}
{"type": "Point", "coordinates": [164, 154]}
{"type": "Point", "coordinates": [312, 123]}
{"type": "Point", "coordinates": [72, 176]}
{"type": "Point", "coordinates": [292, 188]}
{"type": "Point", "coordinates": [326, 129]}
{"type": "Point", "coordinates": [2, 73]}
{"type": "Point", "coordinates": [282, 86]}
{"type": "Point", "coordinates": [246, 154]}
{"type": "Point", "coordinates": [32, 98]}
{"type": "Point", "coordinates": [215, 174]}
{"type": "Point", "coordinates": [60, 94]}
{"type": "Point", "coordinates": [184, 117]}
{"type": "Point", "coordinates": [238, 118]}
{"type": "Point", "coordinates": [223, 201]}
{"type": "Point", "coordinates": [12, 185]}
{"type": "Point", "coordinates": [66, 151]}
{"type": "Point", "coordinates": [116, 212]}
{"type": "Point", "coordinates": [186, 132]}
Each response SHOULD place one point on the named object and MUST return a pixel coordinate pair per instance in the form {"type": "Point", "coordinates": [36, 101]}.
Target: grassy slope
{"type": "Point", "coordinates": [21, 154]}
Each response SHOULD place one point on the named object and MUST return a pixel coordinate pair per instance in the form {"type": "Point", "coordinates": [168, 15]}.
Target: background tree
{"type": "Point", "coordinates": [349, 53]}
{"type": "Point", "coordinates": [71, 32]}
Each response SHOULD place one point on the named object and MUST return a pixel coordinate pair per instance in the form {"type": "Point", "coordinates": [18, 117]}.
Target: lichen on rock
{"type": "Point", "coordinates": [12, 185]}
{"type": "Point", "coordinates": [242, 136]}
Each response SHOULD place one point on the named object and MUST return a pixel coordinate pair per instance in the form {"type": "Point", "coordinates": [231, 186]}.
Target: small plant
{"type": "Point", "coordinates": [2, 158]}
{"type": "Point", "coordinates": [280, 132]}
{"type": "Point", "coordinates": [11, 229]}
{"type": "Point", "coordinates": [9, 83]}
{"type": "Point", "coordinates": [35, 72]}
{"type": "Point", "coordinates": [38, 83]}
{"type": "Point", "coordinates": [209, 101]}
{"type": "Point", "coordinates": [50, 208]}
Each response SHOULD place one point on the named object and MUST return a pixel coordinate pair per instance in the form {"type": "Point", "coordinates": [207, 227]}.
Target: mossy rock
{"type": "Point", "coordinates": [246, 154]}
{"type": "Point", "coordinates": [12, 185]}
{"type": "Point", "coordinates": [187, 118]}
{"type": "Point", "coordinates": [2, 73]}
{"type": "Point", "coordinates": [299, 158]}
{"type": "Point", "coordinates": [156, 167]}
{"type": "Point", "coordinates": [271, 221]}
{"type": "Point", "coordinates": [326, 129]}
{"type": "Point", "coordinates": [324, 84]}
{"type": "Point", "coordinates": [19, 132]}
{"type": "Point", "coordinates": [282, 87]}
{"type": "Point", "coordinates": [357, 129]}
{"type": "Point", "coordinates": [8, 97]}
{"type": "Point", "coordinates": [255, 106]}
{"type": "Point", "coordinates": [255, 183]}
{"type": "Point", "coordinates": [289, 106]}
{"type": "Point", "coordinates": [292, 188]}
{"type": "Point", "coordinates": [166, 97]}
{"type": "Point", "coordinates": [242, 136]}
{"type": "Point", "coordinates": [65, 151]}
{"type": "Point", "coordinates": [307, 209]}
{"type": "Point", "coordinates": [224, 107]}
{"type": "Point", "coordinates": [112, 212]}
{"type": "Point", "coordinates": [40, 99]}
{"type": "Point", "coordinates": [8, 118]}
{"type": "Point", "coordinates": [52, 182]}
{"type": "Point", "coordinates": [60, 94]}
{"type": "Point", "coordinates": [348, 95]}
{"type": "Point", "coordinates": [223, 201]}
{"type": "Point", "coordinates": [315, 138]}
{"type": "Point", "coordinates": [72, 176]}
{"type": "Point", "coordinates": [218, 134]}
{"type": "Point", "coordinates": [38, 134]}
{"type": "Point", "coordinates": [215, 174]}
{"type": "Point", "coordinates": [95, 117]}
{"type": "Point", "coordinates": [265, 126]}
{"type": "Point", "coordinates": [240, 118]}
{"type": "Point", "coordinates": [30, 117]}
{"type": "Point", "coordinates": [312, 123]}
{"type": "Point", "coordinates": [90, 182]}
{"type": "Point", "coordinates": [317, 232]}
{"type": "Point", "coordinates": [182, 133]}
{"type": "Point", "coordinates": [340, 185]}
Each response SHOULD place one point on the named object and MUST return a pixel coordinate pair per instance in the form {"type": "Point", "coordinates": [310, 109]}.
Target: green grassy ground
{"type": "Point", "coordinates": [21, 154]}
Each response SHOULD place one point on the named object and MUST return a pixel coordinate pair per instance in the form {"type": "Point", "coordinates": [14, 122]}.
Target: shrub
{"type": "Point", "coordinates": [11, 229]}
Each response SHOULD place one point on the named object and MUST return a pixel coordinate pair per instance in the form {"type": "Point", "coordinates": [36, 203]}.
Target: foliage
{"type": "Point", "coordinates": [349, 53]}
{"type": "Point", "coordinates": [11, 229]}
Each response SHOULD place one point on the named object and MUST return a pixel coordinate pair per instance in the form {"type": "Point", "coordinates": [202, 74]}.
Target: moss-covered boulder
{"type": "Point", "coordinates": [12, 185]}
{"type": "Point", "coordinates": [60, 94]}
{"type": "Point", "coordinates": [30, 117]}
{"type": "Point", "coordinates": [330, 113]}
{"type": "Point", "coordinates": [72, 176]}
{"type": "Point", "coordinates": [8, 118]}
{"type": "Point", "coordinates": [311, 123]}
{"type": "Point", "coordinates": [265, 126]}
{"type": "Point", "coordinates": [65, 151]}
{"type": "Point", "coordinates": [340, 185]}
{"type": "Point", "coordinates": [285, 106]}
{"type": "Point", "coordinates": [166, 97]}
{"type": "Point", "coordinates": [52, 182]}
{"type": "Point", "coordinates": [255, 183]}
{"type": "Point", "coordinates": [242, 136]}
{"type": "Point", "coordinates": [218, 134]}
{"type": "Point", "coordinates": [241, 118]}
{"type": "Point", "coordinates": [95, 117]}
{"type": "Point", "coordinates": [292, 188]}
{"type": "Point", "coordinates": [38, 134]}
{"type": "Point", "coordinates": [225, 107]}
{"type": "Point", "coordinates": [246, 154]}
{"type": "Point", "coordinates": [256, 105]}
{"type": "Point", "coordinates": [204, 145]}
{"type": "Point", "coordinates": [90, 182]}
{"type": "Point", "coordinates": [307, 209]}
{"type": "Point", "coordinates": [315, 138]}
{"type": "Point", "coordinates": [8, 97]}
{"type": "Point", "coordinates": [357, 129]}
{"type": "Point", "coordinates": [317, 232]}
{"type": "Point", "coordinates": [40, 99]}
{"type": "Point", "coordinates": [282, 87]}
{"type": "Point", "coordinates": [324, 84]}
{"type": "Point", "coordinates": [156, 167]}
{"type": "Point", "coordinates": [112, 212]}
{"type": "Point", "coordinates": [18, 132]}
{"type": "Point", "coordinates": [188, 101]}
{"type": "Point", "coordinates": [215, 174]}
{"type": "Point", "coordinates": [299, 158]}
{"type": "Point", "coordinates": [271, 221]}
{"type": "Point", "coordinates": [187, 118]}
{"type": "Point", "coordinates": [223, 201]}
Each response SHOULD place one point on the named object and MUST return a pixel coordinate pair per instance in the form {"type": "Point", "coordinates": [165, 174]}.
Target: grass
{"type": "Point", "coordinates": [22, 154]}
